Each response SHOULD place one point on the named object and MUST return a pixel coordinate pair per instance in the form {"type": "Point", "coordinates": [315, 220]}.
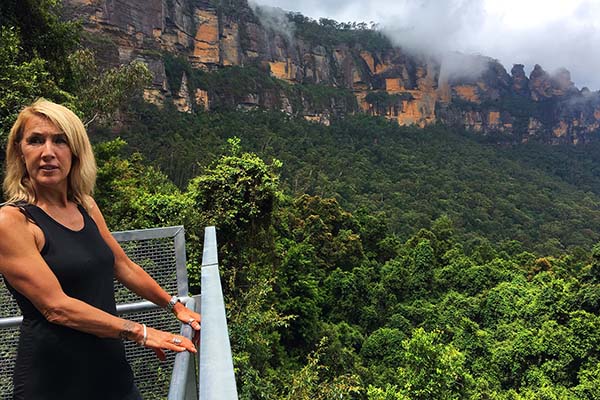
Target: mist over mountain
{"type": "Point", "coordinates": [555, 34]}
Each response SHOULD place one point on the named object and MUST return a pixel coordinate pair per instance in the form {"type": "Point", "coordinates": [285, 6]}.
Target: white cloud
{"type": "Point", "coordinates": [552, 33]}
{"type": "Point", "coordinates": [274, 18]}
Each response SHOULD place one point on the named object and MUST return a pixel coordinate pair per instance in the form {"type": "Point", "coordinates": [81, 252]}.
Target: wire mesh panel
{"type": "Point", "coordinates": [8, 306]}
{"type": "Point", "coordinates": [157, 257]}
{"type": "Point", "coordinates": [9, 338]}
{"type": "Point", "coordinates": [161, 252]}
{"type": "Point", "coordinates": [152, 376]}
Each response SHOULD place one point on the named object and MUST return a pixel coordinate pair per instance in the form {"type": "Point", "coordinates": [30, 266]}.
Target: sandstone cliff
{"type": "Point", "coordinates": [473, 92]}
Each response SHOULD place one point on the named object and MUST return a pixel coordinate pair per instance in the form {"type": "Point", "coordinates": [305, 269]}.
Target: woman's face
{"type": "Point", "coordinates": [46, 153]}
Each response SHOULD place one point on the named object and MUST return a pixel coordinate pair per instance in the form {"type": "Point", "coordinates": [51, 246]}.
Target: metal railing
{"type": "Point", "coordinates": [215, 370]}
{"type": "Point", "coordinates": [217, 380]}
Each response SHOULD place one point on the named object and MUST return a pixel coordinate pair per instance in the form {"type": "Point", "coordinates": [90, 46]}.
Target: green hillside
{"type": "Point", "coordinates": [545, 197]}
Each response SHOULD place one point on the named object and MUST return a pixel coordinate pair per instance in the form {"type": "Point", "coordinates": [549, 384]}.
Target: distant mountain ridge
{"type": "Point", "coordinates": [383, 79]}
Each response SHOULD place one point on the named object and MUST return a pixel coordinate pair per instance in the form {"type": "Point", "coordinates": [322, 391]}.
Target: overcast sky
{"type": "Point", "coordinates": [552, 33]}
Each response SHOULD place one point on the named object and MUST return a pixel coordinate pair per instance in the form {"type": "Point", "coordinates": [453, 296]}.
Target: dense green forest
{"type": "Point", "coordinates": [361, 260]}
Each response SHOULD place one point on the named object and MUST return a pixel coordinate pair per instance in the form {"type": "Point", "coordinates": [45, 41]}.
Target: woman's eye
{"type": "Point", "coordinates": [35, 140]}
{"type": "Point", "coordinates": [61, 140]}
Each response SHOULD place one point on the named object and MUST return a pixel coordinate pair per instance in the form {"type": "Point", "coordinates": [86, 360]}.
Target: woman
{"type": "Point", "coordinates": [59, 259]}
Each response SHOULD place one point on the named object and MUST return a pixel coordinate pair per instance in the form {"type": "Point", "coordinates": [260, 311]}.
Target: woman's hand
{"type": "Point", "coordinates": [187, 316]}
{"type": "Point", "coordinates": [159, 341]}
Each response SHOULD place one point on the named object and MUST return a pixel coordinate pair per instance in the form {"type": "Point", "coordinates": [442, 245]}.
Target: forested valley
{"type": "Point", "coordinates": [360, 260]}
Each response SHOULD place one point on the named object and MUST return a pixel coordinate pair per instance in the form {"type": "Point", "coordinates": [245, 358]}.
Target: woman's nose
{"type": "Point", "coordinates": [48, 149]}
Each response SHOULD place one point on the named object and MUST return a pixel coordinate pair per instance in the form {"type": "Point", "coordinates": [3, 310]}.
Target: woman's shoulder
{"type": "Point", "coordinates": [22, 207]}
{"type": "Point", "coordinates": [12, 215]}
{"type": "Point", "coordinates": [88, 203]}
{"type": "Point", "coordinates": [17, 204]}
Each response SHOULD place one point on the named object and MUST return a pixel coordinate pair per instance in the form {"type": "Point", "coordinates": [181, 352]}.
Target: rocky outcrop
{"type": "Point", "coordinates": [543, 86]}
{"type": "Point", "coordinates": [471, 92]}
{"type": "Point", "coordinates": [520, 83]}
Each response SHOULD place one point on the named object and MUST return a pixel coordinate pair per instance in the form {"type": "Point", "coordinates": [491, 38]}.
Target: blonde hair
{"type": "Point", "coordinates": [82, 176]}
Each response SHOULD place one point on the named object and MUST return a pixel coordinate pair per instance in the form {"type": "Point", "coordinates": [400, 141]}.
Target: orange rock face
{"type": "Point", "coordinates": [230, 44]}
{"type": "Point", "coordinates": [357, 80]}
{"type": "Point", "coordinates": [284, 70]}
{"type": "Point", "coordinates": [206, 44]}
{"type": "Point", "coordinates": [533, 126]}
{"type": "Point", "coordinates": [369, 60]}
{"type": "Point", "coordinates": [143, 29]}
{"type": "Point", "coordinates": [376, 67]}
{"type": "Point", "coordinates": [494, 119]}
{"type": "Point", "coordinates": [362, 102]}
{"type": "Point", "coordinates": [154, 96]}
{"type": "Point", "coordinates": [420, 111]}
{"type": "Point", "coordinates": [322, 119]}
{"type": "Point", "coordinates": [202, 99]}
{"type": "Point", "coordinates": [182, 99]}
{"type": "Point", "coordinates": [467, 92]}
{"type": "Point", "coordinates": [321, 69]}
{"type": "Point", "coordinates": [379, 68]}
{"type": "Point", "coordinates": [394, 85]}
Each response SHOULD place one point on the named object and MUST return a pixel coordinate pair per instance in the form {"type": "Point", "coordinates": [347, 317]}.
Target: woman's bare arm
{"type": "Point", "coordinates": [135, 278]}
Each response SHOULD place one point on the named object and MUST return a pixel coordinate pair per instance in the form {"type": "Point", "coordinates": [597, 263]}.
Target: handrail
{"type": "Point", "coordinates": [122, 309]}
{"type": "Point", "coordinates": [217, 380]}
{"type": "Point", "coordinates": [183, 379]}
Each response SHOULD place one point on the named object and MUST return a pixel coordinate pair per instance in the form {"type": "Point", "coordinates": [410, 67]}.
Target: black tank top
{"type": "Point", "coordinates": [56, 362]}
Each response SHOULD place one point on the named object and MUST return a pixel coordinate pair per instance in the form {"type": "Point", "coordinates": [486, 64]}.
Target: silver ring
{"type": "Point", "coordinates": [191, 321]}
{"type": "Point", "coordinates": [176, 341]}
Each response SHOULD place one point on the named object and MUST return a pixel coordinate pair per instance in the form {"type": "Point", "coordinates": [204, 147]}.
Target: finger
{"type": "Point", "coordinates": [195, 325]}
{"type": "Point", "coordinates": [160, 354]}
{"type": "Point", "coordinates": [190, 315]}
{"type": "Point", "coordinates": [189, 346]}
{"type": "Point", "coordinates": [192, 319]}
{"type": "Point", "coordinates": [180, 343]}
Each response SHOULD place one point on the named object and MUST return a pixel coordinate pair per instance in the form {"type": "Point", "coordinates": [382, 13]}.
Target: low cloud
{"type": "Point", "coordinates": [552, 33]}
{"type": "Point", "coordinates": [274, 18]}
{"type": "Point", "coordinates": [431, 28]}
{"type": "Point", "coordinates": [457, 66]}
